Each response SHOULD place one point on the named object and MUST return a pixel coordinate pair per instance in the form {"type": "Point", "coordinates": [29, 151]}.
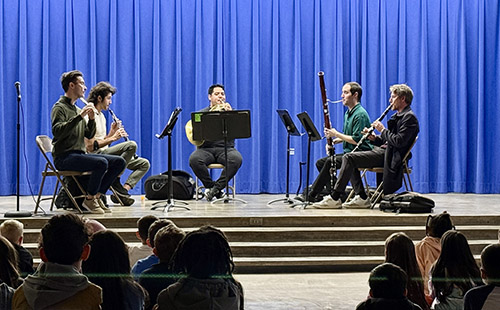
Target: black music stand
{"type": "Point", "coordinates": [222, 125]}
{"type": "Point", "coordinates": [167, 131]}
{"type": "Point", "coordinates": [313, 135]}
{"type": "Point", "coordinates": [291, 130]}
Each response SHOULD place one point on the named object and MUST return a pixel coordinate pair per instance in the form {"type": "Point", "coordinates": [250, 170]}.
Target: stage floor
{"type": "Point", "coordinates": [454, 203]}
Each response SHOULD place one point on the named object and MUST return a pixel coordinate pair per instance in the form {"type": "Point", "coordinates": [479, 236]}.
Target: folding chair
{"type": "Point", "coordinates": [45, 145]}
{"type": "Point", "coordinates": [377, 194]}
{"type": "Point", "coordinates": [214, 166]}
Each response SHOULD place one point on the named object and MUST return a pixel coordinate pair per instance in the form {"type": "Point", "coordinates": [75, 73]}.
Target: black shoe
{"type": "Point", "coordinates": [213, 192]}
{"type": "Point", "coordinates": [126, 200]}
{"type": "Point", "coordinates": [119, 189]}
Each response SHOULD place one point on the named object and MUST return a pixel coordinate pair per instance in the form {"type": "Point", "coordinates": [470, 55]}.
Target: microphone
{"type": "Point", "coordinates": [18, 88]}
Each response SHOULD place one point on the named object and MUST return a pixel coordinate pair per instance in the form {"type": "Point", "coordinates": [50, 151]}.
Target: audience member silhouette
{"type": "Point", "coordinates": [13, 230]}
{"type": "Point", "coordinates": [454, 273]}
{"type": "Point", "coordinates": [9, 274]}
{"type": "Point", "coordinates": [486, 297]}
{"type": "Point", "coordinates": [58, 284]}
{"type": "Point", "coordinates": [428, 249]}
{"type": "Point", "coordinates": [388, 290]}
{"type": "Point", "coordinates": [152, 259]}
{"type": "Point", "coordinates": [160, 275]}
{"type": "Point", "coordinates": [399, 250]}
{"type": "Point", "coordinates": [136, 253]}
{"type": "Point", "coordinates": [205, 261]}
{"type": "Point", "coordinates": [108, 266]}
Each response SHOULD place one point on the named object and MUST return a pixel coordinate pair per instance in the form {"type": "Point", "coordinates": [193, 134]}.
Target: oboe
{"type": "Point", "coordinates": [326, 114]}
{"type": "Point", "coordinates": [371, 129]}
{"type": "Point", "coordinates": [117, 121]}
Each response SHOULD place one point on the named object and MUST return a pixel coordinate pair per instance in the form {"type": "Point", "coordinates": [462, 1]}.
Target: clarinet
{"type": "Point", "coordinates": [370, 131]}
{"type": "Point", "coordinates": [117, 121]}
{"type": "Point", "coordinates": [326, 114]}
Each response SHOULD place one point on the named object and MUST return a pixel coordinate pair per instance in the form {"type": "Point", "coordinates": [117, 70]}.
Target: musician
{"type": "Point", "coordinates": [213, 151]}
{"type": "Point", "coordinates": [391, 145]}
{"type": "Point", "coordinates": [100, 95]}
{"type": "Point", "coordinates": [355, 119]}
{"type": "Point", "coordinates": [69, 130]}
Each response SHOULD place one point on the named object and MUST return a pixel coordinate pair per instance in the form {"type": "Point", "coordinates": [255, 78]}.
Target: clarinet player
{"type": "Point", "coordinates": [391, 145]}
{"type": "Point", "coordinates": [101, 96]}
{"type": "Point", "coordinates": [355, 119]}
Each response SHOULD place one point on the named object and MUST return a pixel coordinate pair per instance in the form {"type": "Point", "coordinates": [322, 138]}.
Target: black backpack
{"type": "Point", "coordinates": [156, 186]}
{"type": "Point", "coordinates": [406, 202]}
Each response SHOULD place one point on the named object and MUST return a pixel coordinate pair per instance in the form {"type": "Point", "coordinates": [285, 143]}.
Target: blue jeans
{"type": "Point", "coordinates": [105, 168]}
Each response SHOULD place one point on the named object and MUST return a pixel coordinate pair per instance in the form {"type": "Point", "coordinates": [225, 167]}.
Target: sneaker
{"type": "Point", "coordinates": [119, 189]}
{"type": "Point", "coordinates": [213, 192]}
{"type": "Point", "coordinates": [328, 203]}
{"type": "Point", "coordinates": [92, 206]}
{"type": "Point", "coordinates": [125, 200]}
{"type": "Point", "coordinates": [358, 203]}
{"type": "Point", "coordinates": [103, 206]}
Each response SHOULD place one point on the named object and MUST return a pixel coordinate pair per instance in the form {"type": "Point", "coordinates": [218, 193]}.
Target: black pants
{"type": "Point", "coordinates": [202, 157]}
{"type": "Point", "coordinates": [350, 164]}
{"type": "Point", "coordinates": [323, 179]}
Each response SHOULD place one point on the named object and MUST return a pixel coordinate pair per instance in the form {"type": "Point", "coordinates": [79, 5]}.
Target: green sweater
{"type": "Point", "coordinates": [69, 128]}
{"type": "Point", "coordinates": [354, 121]}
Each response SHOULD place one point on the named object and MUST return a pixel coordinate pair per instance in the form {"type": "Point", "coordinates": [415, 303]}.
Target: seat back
{"type": "Point", "coordinates": [44, 143]}
{"type": "Point", "coordinates": [405, 159]}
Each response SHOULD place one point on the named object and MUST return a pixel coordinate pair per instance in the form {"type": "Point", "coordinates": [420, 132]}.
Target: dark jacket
{"type": "Point", "coordinates": [387, 304]}
{"type": "Point", "coordinates": [402, 129]}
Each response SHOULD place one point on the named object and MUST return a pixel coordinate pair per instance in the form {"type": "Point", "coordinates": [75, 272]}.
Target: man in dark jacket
{"type": "Point", "coordinates": [387, 290]}
{"type": "Point", "coordinates": [390, 147]}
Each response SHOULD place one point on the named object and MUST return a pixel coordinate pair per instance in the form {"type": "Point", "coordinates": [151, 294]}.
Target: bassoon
{"type": "Point", "coordinates": [329, 141]}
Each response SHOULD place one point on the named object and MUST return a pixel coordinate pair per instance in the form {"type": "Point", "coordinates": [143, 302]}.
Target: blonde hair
{"type": "Point", "coordinates": [403, 90]}
{"type": "Point", "coordinates": [12, 230]}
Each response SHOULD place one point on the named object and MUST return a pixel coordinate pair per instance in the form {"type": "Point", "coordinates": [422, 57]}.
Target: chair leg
{"type": "Point", "coordinates": [54, 196]}
{"type": "Point", "coordinates": [39, 195]}
{"type": "Point", "coordinates": [117, 196]}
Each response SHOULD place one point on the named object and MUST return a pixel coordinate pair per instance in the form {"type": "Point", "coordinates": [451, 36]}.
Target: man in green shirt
{"type": "Point", "coordinates": [69, 129]}
{"type": "Point", "coordinates": [355, 119]}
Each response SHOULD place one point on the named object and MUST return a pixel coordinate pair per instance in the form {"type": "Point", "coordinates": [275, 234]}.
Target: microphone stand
{"type": "Point", "coordinates": [18, 213]}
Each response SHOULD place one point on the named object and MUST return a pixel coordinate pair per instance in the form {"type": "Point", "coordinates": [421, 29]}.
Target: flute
{"type": "Point", "coordinates": [370, 131]}
{"type": "Point", "coordinates": [89, 104]}
{"type": "Point", "coordinates": [118, 122]}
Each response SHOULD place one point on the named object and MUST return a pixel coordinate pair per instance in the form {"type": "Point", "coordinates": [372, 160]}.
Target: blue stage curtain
{"type": "Point", "coordinates": [161, 54]}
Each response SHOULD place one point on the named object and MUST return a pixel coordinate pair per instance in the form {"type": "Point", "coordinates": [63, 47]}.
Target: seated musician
{"type": "Point", "coordinates": [390, 147]}
{"type": "Point", "coordinates": [355, 119]}
{"type": "Point", "coordinates": [100, 95]}
{"type": "Point", "coordinates": [210, 152]}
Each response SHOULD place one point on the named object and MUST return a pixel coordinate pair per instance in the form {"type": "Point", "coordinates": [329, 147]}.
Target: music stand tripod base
{"type": "Point", "coordinates": [287, 200]}
{"type": "Point", "coordinates": [227, 199]}
{"type": "Point", "coordinates": [170, 205]}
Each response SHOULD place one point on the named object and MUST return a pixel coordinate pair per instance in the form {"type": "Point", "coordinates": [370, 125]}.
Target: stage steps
{"type": "Point", "coordinates": [303, 244]}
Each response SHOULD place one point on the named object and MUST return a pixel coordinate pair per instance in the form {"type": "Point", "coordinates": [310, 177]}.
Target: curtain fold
{"type": "Point", "coordinates": [162, 54]}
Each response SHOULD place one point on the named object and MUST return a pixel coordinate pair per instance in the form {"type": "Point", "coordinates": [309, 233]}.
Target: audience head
{"type": "Point", "coordinates": [9, 274]}
{"type": "Point", "coordinates": [166, 241]}
{"type": "Point", "coordinates": [388, 281]}
{"type": "Point", "coordinates": [437, 225]}
{"type": "Point", "coordinates": [69, 77]}
{"type": "Point", "coordinates": [400, 250]}
{"type": "Point", "coordinates": [13, 231]}
{"type": "Point", "coordinates": [153, 229]}
{"type": "Point", "coordinates": [490, 264]}
{"type": "Point", "coordinates": [94, 226]}
{"type": "Point", "coordinates": [109, 254]}
{"type": "Point", "coordinates": [64, 240]}
{"type": "Point", "coordinates": [455, 266]}
{"type": "Point", "coordinates": [143, 225]}
{"type": "Point", "coordinates": [204, 253]}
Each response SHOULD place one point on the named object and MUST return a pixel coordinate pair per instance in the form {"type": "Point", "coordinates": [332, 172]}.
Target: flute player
{"type": "Point", "coordinates": [69, 130]}
{"type": "Point", "coordinates": [101, 96]}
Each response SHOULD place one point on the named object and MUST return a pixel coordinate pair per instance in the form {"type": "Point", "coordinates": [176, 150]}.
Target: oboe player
{"type": "Point", "coordinates": [355, 119]}
{"type": "Point", "coordinates": [391, 145]}
{"type": "Point", "coordinates": [101, 96]}
{"type": "Point", "coordinates": [69, 130]}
